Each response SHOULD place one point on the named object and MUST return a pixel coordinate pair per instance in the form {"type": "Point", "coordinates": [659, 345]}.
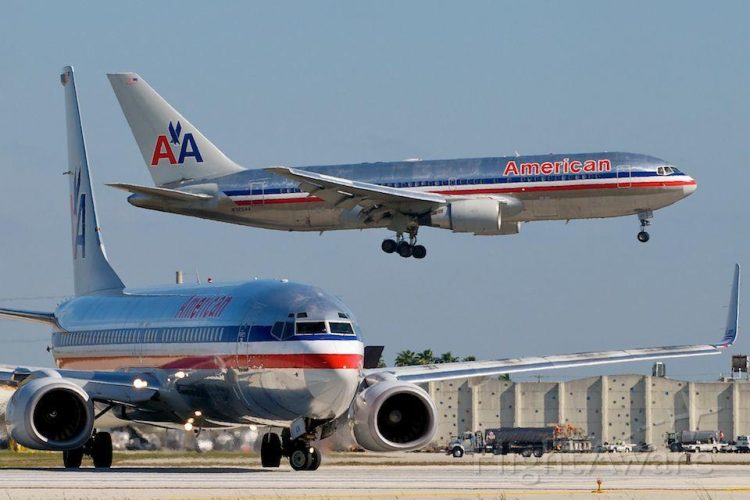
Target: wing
{"type": "Point", "coordinates": [108, 387]}
{"type": "Point", "coordinates": [444, 371]}
{"type": "Point", "coordinates": [346, 193]}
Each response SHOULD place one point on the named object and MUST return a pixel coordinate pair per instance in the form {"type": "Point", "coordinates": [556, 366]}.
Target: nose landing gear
{"type": "Point", "coordinates": [403, 247]}
{"type": "Point", "coordinates": [645, 218]}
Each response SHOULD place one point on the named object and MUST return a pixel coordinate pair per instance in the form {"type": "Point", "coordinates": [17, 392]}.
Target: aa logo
{"type": "Point", "coordinates": [182, 144]}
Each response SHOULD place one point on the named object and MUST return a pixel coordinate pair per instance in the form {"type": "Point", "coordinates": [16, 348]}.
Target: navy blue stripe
{"type": "Point", "coordinates": [182, 335]}
{"type": "Point", "coordinates": [465, 182]}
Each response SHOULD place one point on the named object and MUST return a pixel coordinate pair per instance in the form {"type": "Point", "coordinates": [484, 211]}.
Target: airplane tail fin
{"type": "Point", "coordinates": [173, 149]}
{"type": "Point", "coordinates": [91, 269]}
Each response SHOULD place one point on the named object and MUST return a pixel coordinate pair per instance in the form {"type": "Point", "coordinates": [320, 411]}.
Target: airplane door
{"type": "Point", "coordinates": [623, 176]}
{"type": "Point", "coordinates": [258, 190]}
{"type": "Point", "coordinates": [241, 350]}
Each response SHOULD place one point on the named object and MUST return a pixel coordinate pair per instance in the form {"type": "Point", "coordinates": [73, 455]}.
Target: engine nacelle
{"type": "Point", "coordinates": [393, 416]}
{"type": "Point", "coordinates": [50, 413]}
{"type": "Point", "coordinates": [481, 216]}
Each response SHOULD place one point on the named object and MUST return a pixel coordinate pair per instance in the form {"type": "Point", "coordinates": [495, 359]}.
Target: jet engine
{"type": "Point", "coordinates": [390, 415]}
{"type": "Point", "coordinates": [481, 216]}
{"type": "Point", "coordinates": [48, 412]}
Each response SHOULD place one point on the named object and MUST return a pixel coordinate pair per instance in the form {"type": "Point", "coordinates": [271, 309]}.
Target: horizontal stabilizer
{"type": "Point", "coordinates": [25, 315]}
{"type": "Point", "coordinates": [157, 192]}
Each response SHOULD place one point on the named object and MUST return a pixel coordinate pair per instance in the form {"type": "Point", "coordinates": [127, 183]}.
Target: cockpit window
{"type": "Point", "coordinates": [311, 327]}
{"type": "Point", "coordinates": [667, 170]}
{"type": "Point", "coordinates": [341, 327]}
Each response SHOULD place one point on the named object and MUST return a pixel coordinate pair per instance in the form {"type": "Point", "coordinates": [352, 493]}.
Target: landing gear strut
{"type": "Point", "coordinates": [99, 447]}
{"type": "Point", "coordinates": [403, 247]}
{"type": "Point", "coordinates": [302, 455]}
{"type": "Point", "coordinates": [645, 218]}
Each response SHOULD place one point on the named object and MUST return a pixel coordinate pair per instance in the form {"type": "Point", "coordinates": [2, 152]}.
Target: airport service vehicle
{"type": "Point", "coordinates": [283, 356]}
{"type": "Point", "coordinates": [618, 447]}
{"type": "Point", "coordinates": [467, 443]}
{"type": "Point", "coordinates": [742, 444]}
{"type": "Point", "coordinates": [481, 196]}
{"type": "Point", "coordinates": [525, 441]}
{"type": "Point", "coordinates": [696, 441]}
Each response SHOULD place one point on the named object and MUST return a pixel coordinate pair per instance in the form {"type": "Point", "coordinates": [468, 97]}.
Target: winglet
{"type": "Point", "coordinates": [733, 316]}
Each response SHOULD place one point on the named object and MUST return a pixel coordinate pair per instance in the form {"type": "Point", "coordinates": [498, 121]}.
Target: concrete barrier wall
{"type": "Point", "coordinates": [632, 408]}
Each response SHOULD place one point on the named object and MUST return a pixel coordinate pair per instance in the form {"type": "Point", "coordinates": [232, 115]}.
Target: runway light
{"type": "Point", "coordinates": [188, 426]}
{"type": "Point", "coordinates": [140, 383]}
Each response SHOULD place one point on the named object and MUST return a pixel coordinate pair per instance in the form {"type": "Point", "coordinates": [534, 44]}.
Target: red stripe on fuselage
{"type": "Point", "coordinates": [251, 361]}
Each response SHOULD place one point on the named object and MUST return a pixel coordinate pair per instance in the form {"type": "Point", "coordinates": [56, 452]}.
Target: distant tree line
{"type": "Point", "coordinates": [427, 357]}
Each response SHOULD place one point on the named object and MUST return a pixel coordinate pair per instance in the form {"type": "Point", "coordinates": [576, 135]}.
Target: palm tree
{"type": "Point", "coordinates": [425, 357]}
{"type": "Point", "coordinates": [406, 358]}
{"type": "Point", "coordinates": [469, 358]}
{"type": "Point", "coordinates": [447, 357]}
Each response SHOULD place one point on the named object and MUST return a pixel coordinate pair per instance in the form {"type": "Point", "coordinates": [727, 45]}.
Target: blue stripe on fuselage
{"type": "Point", "coordinates": [181, 335]}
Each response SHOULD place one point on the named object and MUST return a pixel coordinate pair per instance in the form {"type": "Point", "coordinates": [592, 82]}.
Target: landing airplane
{"type": "Point", "coordinates": [483, 196]}
{"type": "Point", "coordinates": [285, 356]}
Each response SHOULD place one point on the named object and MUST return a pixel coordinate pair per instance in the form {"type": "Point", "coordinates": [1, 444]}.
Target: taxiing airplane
{"type": "Point", "coordinates": [285, 356]}
{"type": "Point", "coordinates": [483, 196]}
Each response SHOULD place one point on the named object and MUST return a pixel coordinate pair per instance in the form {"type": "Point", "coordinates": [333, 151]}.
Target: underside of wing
{"type": "Point", "coordinates": [345, 193]}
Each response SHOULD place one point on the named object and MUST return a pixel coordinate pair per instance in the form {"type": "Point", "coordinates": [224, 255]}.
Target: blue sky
{"type": "Point", "coordinates": [296, 83]}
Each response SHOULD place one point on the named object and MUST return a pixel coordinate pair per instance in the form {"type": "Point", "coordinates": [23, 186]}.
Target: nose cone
{"type": "Point", "coordinates": [690, 186]}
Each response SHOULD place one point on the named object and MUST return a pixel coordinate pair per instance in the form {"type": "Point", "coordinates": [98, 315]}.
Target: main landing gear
{"type": "Point", "coordinates": [99, 448]}
{"type": "Point", "coordinates": [645, 218]}
{"type": "Point", "coordinates": [405, 248]}
{"type": "Point", "coordinates": [302, 456]}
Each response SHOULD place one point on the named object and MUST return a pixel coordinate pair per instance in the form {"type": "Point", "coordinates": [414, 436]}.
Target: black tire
{"type": "Point", "coordinates": [101, 450]}
{"type": "Point", "coordinates": [643, 236]}
{"type": "Point", "coordinates": [526, 453]}
{"type": "Point", "coordinates": [315, 458]}
{"type": "Point", "coordinates": [419, 252]}
{"type": "Point", "coordinates": [458, 452]}
{"type": "Point", "coordinates": [300, 458]}
{"type": "Point", "coordinates": [270, 450]}
{"type": "Point", "coordinates": [404, 249]}
{"type": "Point", "coordinates": [388, 246]}
{"type": "Point", "coordinates": [72, 458]}
{"type": "Point", "coordinates": [538, 452]}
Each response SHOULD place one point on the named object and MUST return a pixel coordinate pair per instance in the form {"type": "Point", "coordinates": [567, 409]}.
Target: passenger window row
{"type": "Point", "coordinates": [142, 336]}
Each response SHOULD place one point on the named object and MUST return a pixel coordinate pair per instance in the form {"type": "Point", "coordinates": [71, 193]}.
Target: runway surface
{"type": "Point", "coordinates": [467, 480]}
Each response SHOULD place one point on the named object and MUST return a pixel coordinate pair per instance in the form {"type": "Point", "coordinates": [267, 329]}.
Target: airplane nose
{"type": "Point", "coordinates": [690, 187]}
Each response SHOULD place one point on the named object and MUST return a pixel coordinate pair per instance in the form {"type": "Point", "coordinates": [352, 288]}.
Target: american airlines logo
{"type": "Point", "coordinates": [564, 166]}
{"type": "Point", "coordinates": [176, 148]}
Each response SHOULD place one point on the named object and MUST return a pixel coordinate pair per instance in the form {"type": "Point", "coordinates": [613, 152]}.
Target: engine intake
{"type": "Point", "coordinates": [50, 413]}
{"type": "Point", "coordinates": [390, 415]}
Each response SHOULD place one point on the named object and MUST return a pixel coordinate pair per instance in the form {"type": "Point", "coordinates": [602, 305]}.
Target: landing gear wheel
{"type": "Point", "coordinates": [404, 249]}
{"type": "Point", "coordinates": [643, 237]}
{"type": "Point", "coordinates": [101, 450]}
{"type": "Point", "coordinates": [315, 459]}
{"type": "Point", "coordinates": [418, 252]}
{"type": "Point", "coordinates": [72, 458]}
{"type": "Point", "coordinates": [388, 246]}
{"type": "Point", "coordinates": [300, 458]}
{"type": "Point", "coordinates": [270, 450]}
